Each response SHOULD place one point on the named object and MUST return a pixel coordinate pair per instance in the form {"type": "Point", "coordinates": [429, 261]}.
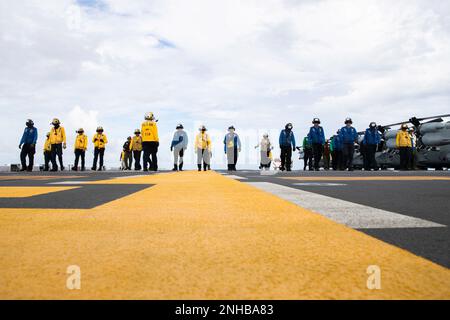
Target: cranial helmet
{"type": "Point", "coordinates": [405, 126]}
{"type": "Point", "coordinates": [179, 126]}
{"type": "Point", "coordinates": [316, 120]}
{"type": "Point", "coordinates": [29, 123]}
{"type": "Point", "coordinates": [289, 126]}
{"type": "Point", "coordinates": [373, 124]}
{"type": "Point", "coordinates": [55, 122]}
{"type": "Point", "coordinates": [81, 130]}
{"type": "Point", "coordinates": [231, 128]}
{"type": "Point", "coordinates": [99, 129]}
{"type": "Point", "coordinates": [348, 120]}
{"type": "Point", "coordinates": [149, 116]}
{"type": "Point", "coordinates": [202, 128]}
{"type": "Point", "coordinates": [137, 131]}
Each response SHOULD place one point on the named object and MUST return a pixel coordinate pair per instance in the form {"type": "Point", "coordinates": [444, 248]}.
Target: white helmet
{"type": "Point", "coordinates": [149, 116]}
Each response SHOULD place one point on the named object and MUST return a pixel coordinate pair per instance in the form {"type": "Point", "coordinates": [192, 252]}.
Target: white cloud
{"type": "Point", "coordinates": [255, 64]}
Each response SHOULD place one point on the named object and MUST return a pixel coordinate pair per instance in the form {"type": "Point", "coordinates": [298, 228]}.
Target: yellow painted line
{"type": "Point", "coordinates": [25, 192]}
{"type": "Point", "coordinates": [197, 235]}
{"type": "Point", "coordinates": [390, 178]}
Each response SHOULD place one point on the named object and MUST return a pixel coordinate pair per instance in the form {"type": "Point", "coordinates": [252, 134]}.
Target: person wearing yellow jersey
{"type": "Point", "coordinates": [136, 148]}
{"type": "Point", "coordinates": [58, 143]}
{"type": "Point", "coordinates": [150, 142]}
{"type": "Point", "coordinates": [47, 152]}
{"type": "Point", "coordinates": [404, 144]}
{"type": "Point", "coordinates": [203, 149]}
{"type": "Point", "coordinates": [81, 144]}
{"type": "Point", "coordinates": [100, 140]}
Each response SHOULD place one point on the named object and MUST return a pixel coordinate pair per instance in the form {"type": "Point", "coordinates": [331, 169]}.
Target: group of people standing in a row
{"type": "Point", "coordinates": [340, 148]}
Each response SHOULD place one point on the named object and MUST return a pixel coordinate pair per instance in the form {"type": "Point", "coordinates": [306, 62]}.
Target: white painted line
{"type": "Point", "coordinates": [351, 214]}
{"type": "Point", "coordinates": [319, 184]}
{"type": "Point", "coordinates": [69, 182]}
{"type": "Point", "coordinates": [236, 177]}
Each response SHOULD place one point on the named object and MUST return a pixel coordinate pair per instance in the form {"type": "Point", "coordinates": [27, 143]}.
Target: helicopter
{"type": "Point", "coordinates": [432, 146]}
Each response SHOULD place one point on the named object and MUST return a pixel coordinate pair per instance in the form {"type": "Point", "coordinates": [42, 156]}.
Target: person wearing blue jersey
{"type": "Point", "coordinates": [287, 146]}
{"type": "Point", "coordinates": [316, 136]}
{"type": "Point", "coordinates": [372, 139]}
{"type": "Point", "coordinates": [28, 146]}
{"type": "Point", "coordinates": [349, 137]}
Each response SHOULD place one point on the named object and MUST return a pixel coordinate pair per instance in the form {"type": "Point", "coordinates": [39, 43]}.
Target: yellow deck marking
{"type": "Point", "coordinates": [390, 178]}
{"type": "Point", "coordinates": [197, 235]}
{"type": "Point", "coordinates": [25, 192]}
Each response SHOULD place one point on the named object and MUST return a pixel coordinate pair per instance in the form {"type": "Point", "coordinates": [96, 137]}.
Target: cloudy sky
{"type": "Point", "coordinates": [251, 63]}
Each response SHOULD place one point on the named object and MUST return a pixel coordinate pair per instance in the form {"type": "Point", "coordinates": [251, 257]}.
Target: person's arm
{"type": "Point", "coordinates": [208, 139]}
{"type": "Point", "coordinates": [196, 144]}
{"type": "Point", "coordinates": [323, 136]}
{"type": "Point", "coordinates": [239, 144]}
{"type": "Point", "coordinates": [63, 135]}
{"type": "Point", "coordinates": [355, 135]}
{"type": "Point", "coordinates": [397, 140]}
{"type": "Point", "coordinates": [85, 143]}
{"type": "Point", "coordinates": [225, 144]}
{"type": "Point", "coordinates": [22, 141]}
{"type": "Point", "coordinates": [185, 140]}
{"type": "Point", "coordinates": [35, 137]}
{"type": "Point", "coordinates": [280, 140]}
{"type": "Point", "coordinates": [155, 133]}
{"type": "Point", "coordinates": [293, 142]}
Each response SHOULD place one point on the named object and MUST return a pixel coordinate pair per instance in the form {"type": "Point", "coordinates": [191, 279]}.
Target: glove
{"type": "Point", "coordinates": [171, 148]}
{"type": "Point", "coordinates": [64, 146]}
{"type": "Point", "coordinates": [20, 146]}
{"type": "Point", "coordinates": [293, 149]}
{"type": "Point", "coordinates": [101, 140]}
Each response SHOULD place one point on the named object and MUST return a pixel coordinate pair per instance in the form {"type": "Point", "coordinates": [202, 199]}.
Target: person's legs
{"type": "Point", "coordinates": [59, 153]}
{"type": "Point", "coordinates": [200, 158]}
{"type": "Point", "coordinates": [402, 158]}
{"type": "Point", "coordinates": [102, 154]}
{"type": "Point", "coordinates": [23, 157]}
{"type": "Point", "coordinates": [53, 158]}
{"type": "Point", "coordinates": [154, 155]}
{"type": "Point", "coordinates": [283, 158]}
{"type": "Point", "coordinates": [372, 160]}
{"type": "Point", "coordinates": [317, 149]}
{"type": "Point", "coordinates": [30, 154]}
{"type": "Point", "coordinates": [146, 158]}
{"type": "Point", "coordinates": [288, 159]}
{"type": "Point", "coordinates": [83, 160]}
{"type": "Point", "coordinates": [206, 160]}
{"type": "Point", "coordinates": [77, 159]}
{"type": "Point", "coordinates": [96, 153]}
{"type": "Point", "coordinates": [181, 161]}
{"type": "Point", "coordinates": [351, 153]}
{"type": "Point", "coordinates": [47, 158]}
{"type": "Point", "coordinates": [236, 156]}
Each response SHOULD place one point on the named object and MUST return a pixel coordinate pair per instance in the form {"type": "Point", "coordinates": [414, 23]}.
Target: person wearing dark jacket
{"type": "Point", "coordinates": [349, 137]}
{"type": "Point", "coordinates": [336, 145]}
{"type": "Point", "coordinates": [308, 154]}
{"type": "Point", "coordinates": [287, 146]}
{"type": "Point", "coordinates": [372, 139]}
{"type": "Point", "coordinates": [28, 146]}
{"type": "Point", "coordinates": [316, 136]}
{"type": "Point", "coordinates": [326, 155]}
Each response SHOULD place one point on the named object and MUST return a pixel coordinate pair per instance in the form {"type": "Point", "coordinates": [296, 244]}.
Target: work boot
{"type": "Point", "coordinates": [199, 167]}
{"type": "Point", "coordinates": [74, 169]}
{"type": "Point", "coordinates": [181, 167]}
{"type": "Point", "coordinates": [175, 167]}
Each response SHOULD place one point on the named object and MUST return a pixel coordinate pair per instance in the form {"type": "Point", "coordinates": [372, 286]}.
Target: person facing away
{"type": "Point", "coordinates": [404, 144]}
{"type": "Point", "coordinates": [150, 142]}
{"type": "Point", "coordinates": [178, 147]}
{"type": "Point", "coordinates": [127, 155]}
{"type": "Point", "coordinates": [28, 146]}
{"type": "Point", "coordinates": [58, 142]}
{"type": "Point", "coordinates": [100, 140]}
{"type": "Point", "coordinates": [265, 152]}
{"type": "Point", "coordinates": [47, 153]}
{"type": "Point", "coordinates": [136, 149]}
{"type": "Point", "coordinates": [81, 144]}
{"type": "Point", "coordinates": [316, 136]}
{"type": "Point", "coordinates": [203, 149]}
{"type": "Point", "coordinates": [308, 154]}
{"type": "Point", "coordinates": [371, 140]}
{"type": "Point", "coordinates": [287, 146]}
{"type": "Point", "coordinates": [336, 144]}
{"type": "Point", "coordinates": [349, 137]}
{"type": "Point", "coordinates": [232, 147]}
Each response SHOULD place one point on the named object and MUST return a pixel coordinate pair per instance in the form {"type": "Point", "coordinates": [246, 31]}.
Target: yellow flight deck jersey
{"type": "Point", "coordinates": [47, 145]}
{"type": "Point", "coordinates": [149, 131]}
{"type": "Point", "coordinates": [136, 144]}
{"type": "Point", "coordinates": [202, 141]}
{"type": "Point", "coordinates": [81, 142]}
{"type": "Point", "coordinates": [403, 139]}
{"type": "Point", "coordinates": [57, 135]}
{"type": "Point", "coordinates": [100, 144]}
